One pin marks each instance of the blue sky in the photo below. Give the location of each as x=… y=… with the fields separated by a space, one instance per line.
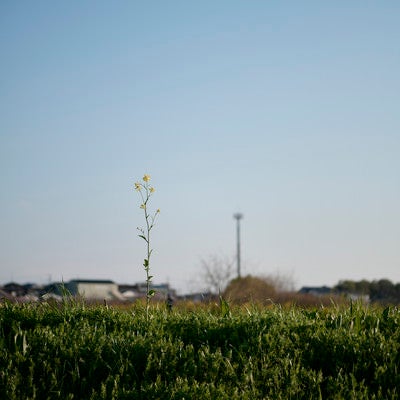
x=285 y=111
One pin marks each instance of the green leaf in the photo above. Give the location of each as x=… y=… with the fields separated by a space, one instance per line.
x=225 y=309
x=143 y=237
x=149 y=278
x=146 y=262
x=152 y=293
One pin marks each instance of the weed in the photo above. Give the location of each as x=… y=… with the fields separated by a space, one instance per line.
x=146 y=190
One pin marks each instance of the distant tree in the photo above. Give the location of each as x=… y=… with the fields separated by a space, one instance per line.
x=383 y=291
x=362 y=287
x=216 y=272
x=397 y=292
x=355 y=287
x=345 y=287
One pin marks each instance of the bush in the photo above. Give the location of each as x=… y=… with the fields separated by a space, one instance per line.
x=249 y=289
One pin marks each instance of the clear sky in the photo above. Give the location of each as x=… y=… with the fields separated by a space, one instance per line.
x=286 y=111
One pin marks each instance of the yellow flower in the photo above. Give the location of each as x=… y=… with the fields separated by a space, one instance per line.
x=158 y=210
x=152 y=190
x=137 y=186
x=146 y=177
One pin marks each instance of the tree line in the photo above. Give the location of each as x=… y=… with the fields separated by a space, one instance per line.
x=380 y=291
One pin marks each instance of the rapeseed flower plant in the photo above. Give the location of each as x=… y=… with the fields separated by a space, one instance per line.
x=146 y=191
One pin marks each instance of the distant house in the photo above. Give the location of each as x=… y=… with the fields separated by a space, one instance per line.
x=15 y=289
x=94 y=289
x=20 y=293
x=52 y=291
x=33 y=290
x=316 y=290
x=6 y=296
x=163 y=289
x=139 y=290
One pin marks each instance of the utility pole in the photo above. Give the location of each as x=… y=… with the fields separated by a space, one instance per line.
x=238 y=217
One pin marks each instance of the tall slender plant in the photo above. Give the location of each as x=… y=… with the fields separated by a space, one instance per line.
x=146 y=191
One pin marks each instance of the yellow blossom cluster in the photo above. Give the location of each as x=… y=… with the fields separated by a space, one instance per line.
x=139 y=185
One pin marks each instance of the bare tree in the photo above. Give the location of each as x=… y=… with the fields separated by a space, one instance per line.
x=281 y=281
x=216 y=272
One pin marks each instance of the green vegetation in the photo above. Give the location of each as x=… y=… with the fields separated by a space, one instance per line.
x=72 y=351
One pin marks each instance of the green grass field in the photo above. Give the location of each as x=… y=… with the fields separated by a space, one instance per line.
x=80 y=352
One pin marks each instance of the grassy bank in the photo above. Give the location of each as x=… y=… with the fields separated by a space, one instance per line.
x=78 y=352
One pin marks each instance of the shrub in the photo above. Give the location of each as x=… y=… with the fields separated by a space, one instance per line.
x=249 y=289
